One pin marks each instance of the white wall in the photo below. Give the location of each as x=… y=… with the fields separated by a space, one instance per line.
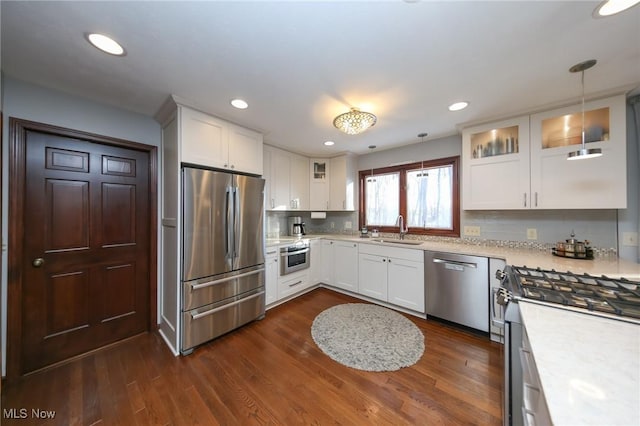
x=603 y=228
x=35 y=103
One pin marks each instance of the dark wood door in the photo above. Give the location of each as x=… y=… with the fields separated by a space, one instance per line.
x=85 y=247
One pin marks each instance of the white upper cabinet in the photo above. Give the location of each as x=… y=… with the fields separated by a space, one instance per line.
x=333 y=183
x=593 y=183
x=495 y=171
x=522 y=163
x=245 y=150
x=286 y=176
x=319 y=189
x=212 y=142
x=342 y=183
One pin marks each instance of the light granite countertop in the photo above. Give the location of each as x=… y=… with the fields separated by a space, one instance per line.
x=613 y=268
x=589 y=366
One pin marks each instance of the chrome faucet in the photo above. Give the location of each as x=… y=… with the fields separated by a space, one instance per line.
x=403 y=230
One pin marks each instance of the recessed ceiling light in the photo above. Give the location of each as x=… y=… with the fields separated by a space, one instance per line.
x=611 y=7
x=106 y=44
x=239 y=103
x=458 y=106
x=329 y=143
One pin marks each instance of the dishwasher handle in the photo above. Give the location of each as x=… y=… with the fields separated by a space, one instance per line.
x=455 y=263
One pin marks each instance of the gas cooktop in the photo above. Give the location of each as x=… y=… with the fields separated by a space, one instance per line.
x=598 y=295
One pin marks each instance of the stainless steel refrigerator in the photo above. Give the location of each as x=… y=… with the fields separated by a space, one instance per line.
x=222 y=254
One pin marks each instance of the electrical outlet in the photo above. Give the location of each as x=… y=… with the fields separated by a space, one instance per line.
x=332 y=225
x=472 y=231
x=348 y=225
x=532 y=234
x=630 y=239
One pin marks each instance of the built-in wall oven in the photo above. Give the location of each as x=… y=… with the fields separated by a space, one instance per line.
x=611 y=298
x=295 y=257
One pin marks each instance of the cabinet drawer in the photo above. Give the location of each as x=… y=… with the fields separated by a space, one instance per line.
x=292 y=285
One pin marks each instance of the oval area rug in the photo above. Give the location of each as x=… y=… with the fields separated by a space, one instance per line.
x=368 y=337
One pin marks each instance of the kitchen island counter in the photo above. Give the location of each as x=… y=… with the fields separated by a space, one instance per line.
x=589 y=367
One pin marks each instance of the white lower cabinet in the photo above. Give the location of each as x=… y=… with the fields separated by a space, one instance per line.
x=372 y=277
x=327 y=270
x=393 y=275
x=292 y=283
x=534 y=405
x=345 y=261
x=271 y=275
x=316 y=267
x=406 y=283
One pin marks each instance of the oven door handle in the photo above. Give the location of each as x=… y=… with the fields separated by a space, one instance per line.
x=494 y=319
x=292 y=253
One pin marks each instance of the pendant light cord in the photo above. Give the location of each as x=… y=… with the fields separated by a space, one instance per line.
x=583 y=136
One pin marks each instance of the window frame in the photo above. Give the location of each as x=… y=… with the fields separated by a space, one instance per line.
x=454 y=162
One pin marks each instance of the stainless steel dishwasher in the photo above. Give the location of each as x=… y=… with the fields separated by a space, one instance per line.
x=457 y=288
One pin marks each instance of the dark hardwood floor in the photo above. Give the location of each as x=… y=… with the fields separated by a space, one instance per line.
x=268 y=372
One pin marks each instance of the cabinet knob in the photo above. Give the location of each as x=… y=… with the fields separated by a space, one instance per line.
x=38 y=262
x=226 y=165
x=384 y=260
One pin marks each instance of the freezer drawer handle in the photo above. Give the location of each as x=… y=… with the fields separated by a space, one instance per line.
x=224 y=280
x=454 y=262
x=228 y=305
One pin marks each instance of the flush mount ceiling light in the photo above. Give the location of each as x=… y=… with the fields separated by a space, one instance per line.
x=354 y=121
x=105 y=43
x=583 y=153
x=611 y=7
x=459 y=105
x=239 y=103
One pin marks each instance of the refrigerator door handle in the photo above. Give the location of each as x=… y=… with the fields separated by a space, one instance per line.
x=236 y=221
x=228 y=228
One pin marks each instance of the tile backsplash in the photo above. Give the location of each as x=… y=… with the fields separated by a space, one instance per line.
x=496 y=227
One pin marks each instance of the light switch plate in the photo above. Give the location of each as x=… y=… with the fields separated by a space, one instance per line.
x=472 y=231
x=348 y=225
x=630 y=239
x=532 y=234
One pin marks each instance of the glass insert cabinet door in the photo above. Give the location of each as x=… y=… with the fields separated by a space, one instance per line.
x=499 y=141
x=565 y=130
x=319 y=170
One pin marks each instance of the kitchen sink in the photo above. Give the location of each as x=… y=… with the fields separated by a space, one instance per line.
x=405 y=242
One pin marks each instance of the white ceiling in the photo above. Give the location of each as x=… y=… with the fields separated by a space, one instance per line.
x=299 y=64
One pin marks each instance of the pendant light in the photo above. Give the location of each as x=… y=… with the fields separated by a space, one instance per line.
x=583 y=153
x=371 y=179
x=422 y=172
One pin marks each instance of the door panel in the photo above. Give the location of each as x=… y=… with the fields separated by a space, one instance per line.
x=66 y=293
x=86 y=216
x=66 y=201
x=118 y=214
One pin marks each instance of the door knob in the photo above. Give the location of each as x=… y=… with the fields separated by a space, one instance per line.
x=38 y=262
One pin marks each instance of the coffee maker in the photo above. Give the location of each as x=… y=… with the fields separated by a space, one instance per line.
x=295 y=226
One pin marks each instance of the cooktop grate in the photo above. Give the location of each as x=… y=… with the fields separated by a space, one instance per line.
x=602 y=294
